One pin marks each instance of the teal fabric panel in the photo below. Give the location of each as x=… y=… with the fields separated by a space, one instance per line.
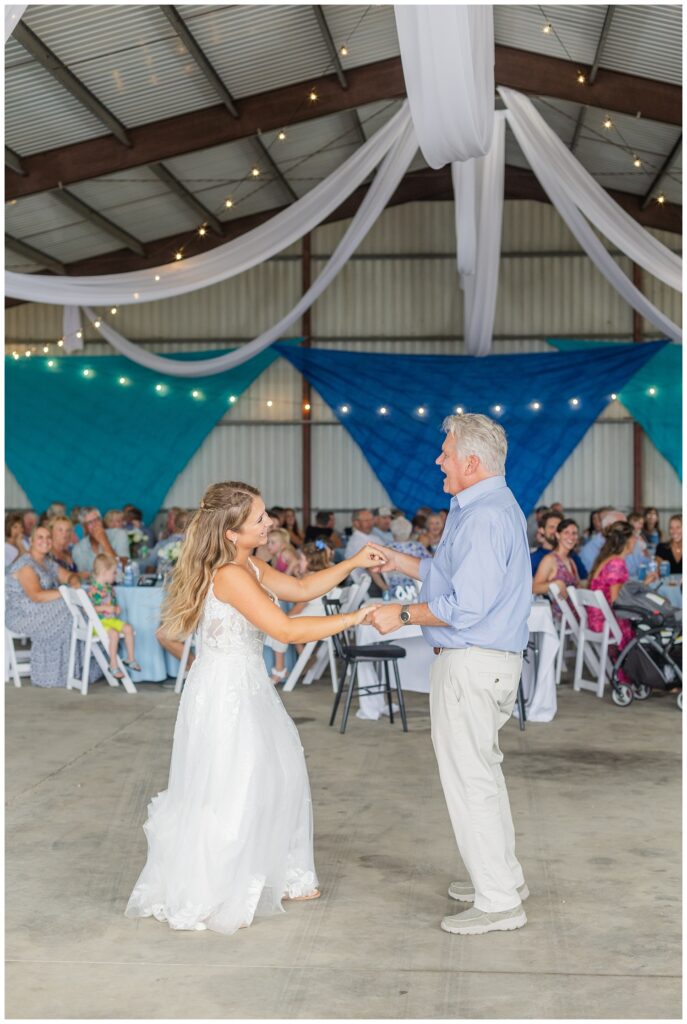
x=89 y=440
x=659 y=413
x=402 y=445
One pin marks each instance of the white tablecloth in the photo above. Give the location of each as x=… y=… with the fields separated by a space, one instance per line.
x=414 y=669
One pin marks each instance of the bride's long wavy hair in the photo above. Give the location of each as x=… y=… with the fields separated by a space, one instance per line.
x=223 y=507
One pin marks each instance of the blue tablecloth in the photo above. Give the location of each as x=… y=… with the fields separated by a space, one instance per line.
x=141 y=607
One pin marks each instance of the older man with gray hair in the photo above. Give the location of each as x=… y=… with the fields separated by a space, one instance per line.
x=475 y=603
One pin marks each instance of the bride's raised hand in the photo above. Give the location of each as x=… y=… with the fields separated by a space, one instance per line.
x=369 y=557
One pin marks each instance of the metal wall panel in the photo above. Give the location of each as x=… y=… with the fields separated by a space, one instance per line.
x=342 y=478
x=662 y=486
x=267 y=457
x=598 y=472
x=14 y=495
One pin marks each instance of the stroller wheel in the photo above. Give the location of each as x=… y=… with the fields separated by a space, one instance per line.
x=679 y=701
x=641 y=691
x=622 y=695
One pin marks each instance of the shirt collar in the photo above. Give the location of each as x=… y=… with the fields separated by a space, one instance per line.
x=477 y=491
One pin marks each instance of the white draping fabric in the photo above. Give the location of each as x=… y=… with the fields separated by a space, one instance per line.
x=447 y=52
x=384 y=185
x=480 y=287
x=13 y=15
x=586 y=193
x=228 y=260
x=465 y=211
x=530 y=142
x=71 y=328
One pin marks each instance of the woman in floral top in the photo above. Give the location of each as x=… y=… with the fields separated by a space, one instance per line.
x=104 y=599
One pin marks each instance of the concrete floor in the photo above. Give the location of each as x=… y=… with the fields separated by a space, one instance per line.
x=596 y=802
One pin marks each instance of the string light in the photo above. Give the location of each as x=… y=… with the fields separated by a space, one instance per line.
x=232 y=399
x=383 y=411
x=178 y=256
x=607 y=122
x=546 y=28
x=136 y=295
x=652 y=391
x=344 y=51
x=270 y=403
x=46 y=348
x=96 y=323
x=421 y=411
x=613 y=397
x=574 y=402
x=27 y=353
x=281 y=135
x=158 y=388
x=307 y=406
x=581 y=77
x=195 y=394
x=228 y=203
x=202 y=231
x=312 y=96
x=87 y=372
x=459 y=410
x=79 y=334
x=123 y=380
x=536 y=406
x=660 y=199
x=498 y=408
x=255 y=172
x=60 y=343
x=157 y=277
x=344 y=408
x=113 y=311
x=637 y=162
x=51 y=362
x=15 y=355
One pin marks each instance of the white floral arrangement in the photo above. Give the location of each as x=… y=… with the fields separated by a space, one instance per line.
x=170 y=552
x=135 y=536
x=138 y=543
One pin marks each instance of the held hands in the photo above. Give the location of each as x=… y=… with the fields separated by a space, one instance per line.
x=369 y=557
x=362 y=615
x=385 y=617
x=388 y=554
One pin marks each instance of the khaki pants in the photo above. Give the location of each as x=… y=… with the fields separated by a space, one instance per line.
x=472 y=693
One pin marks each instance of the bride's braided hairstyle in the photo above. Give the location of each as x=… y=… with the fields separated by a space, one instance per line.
x=224 y=506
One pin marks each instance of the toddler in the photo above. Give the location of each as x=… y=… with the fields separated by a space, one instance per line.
x=101 y=593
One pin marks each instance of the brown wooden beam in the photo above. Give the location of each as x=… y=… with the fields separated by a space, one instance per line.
x=383 y=80
x=420 y=186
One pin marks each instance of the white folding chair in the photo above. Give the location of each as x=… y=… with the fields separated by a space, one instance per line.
x=592 y=647
x=87 y=627
x=568 y=627
x=325 y=651
x=189 y=642
x=17 y=662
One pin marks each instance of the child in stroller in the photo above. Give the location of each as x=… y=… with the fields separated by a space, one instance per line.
x=653 y=658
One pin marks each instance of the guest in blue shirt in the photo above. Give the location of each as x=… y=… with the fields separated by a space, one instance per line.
x=591 y=549
x=475 y=604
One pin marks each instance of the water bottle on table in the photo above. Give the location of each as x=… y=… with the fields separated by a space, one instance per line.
x=128 y=575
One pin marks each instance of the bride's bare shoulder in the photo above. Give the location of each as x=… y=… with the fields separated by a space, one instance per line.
x=233 y=577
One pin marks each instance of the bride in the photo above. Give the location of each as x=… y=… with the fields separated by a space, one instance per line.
x=231 y=836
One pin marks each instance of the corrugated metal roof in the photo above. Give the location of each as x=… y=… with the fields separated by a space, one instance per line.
x=574 y=35
x=647 y=41
x=367 y=31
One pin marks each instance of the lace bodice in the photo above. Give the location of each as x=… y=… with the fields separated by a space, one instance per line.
x=224 y=630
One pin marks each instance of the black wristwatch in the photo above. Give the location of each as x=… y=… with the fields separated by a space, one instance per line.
x=405 y=615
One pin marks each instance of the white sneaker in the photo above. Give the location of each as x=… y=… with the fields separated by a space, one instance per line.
x=478 y=922
x=466 y=893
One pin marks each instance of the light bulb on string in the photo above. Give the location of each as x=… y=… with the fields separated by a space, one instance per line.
x=60 y=343
x=159 y=388
x=312 y=96
x=195 y=394
x=255 y=172
x=536 y=406
x=232 y=399
x=459 y=410
x=637 y=162
x=281 y=135
x=87 y=372
x=178 y=255
x=123 y=380
x=383 y=411
x=51 y=362
x=136 y=295
x=660 y=199
x=228 y=203
x=27 y=353
x=344 y=408
x=421 y=411
x=15 y=355
x=607 y=122
x=96 y=323
x=498 y=409
x=269 y=403
x=546 y=28
x=307 y=407
x=202 y=231
x=46 y=349
x=79 y=334
x=113 y=311
x=581 y=78
x=574 y=402
x=157 y=277
x=651 y=391
x=613 y=397
x=343 y=50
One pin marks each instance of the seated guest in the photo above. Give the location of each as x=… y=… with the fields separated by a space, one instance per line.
x=114 y=519
x=557 y=566
x=434 y=527
x=14 y=536
x=324 y=529
x=34 y=608
x=636 y=521
x=652 y=530
x=363 y=522
x=104 y=599
x=608 y=574
x=556 y=506
x=178 y=523
x=419 y=525
x=165 y=531
x=282 y=554
x=55 y=508
x=291 y=525
x=382 y=523
x=534 y=522
x=401 y=529
x=549 y=541
x=671 y=550
x=62 y=536
x=30 y=524
x=133 y=520
x=97 y=541
x=591 y=549
x=76 y=522
x=276 y=514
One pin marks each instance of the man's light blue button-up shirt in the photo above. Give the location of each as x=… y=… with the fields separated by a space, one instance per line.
x=480 y=579
x=590 y=551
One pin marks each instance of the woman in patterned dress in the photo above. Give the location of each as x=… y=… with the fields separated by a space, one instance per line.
x=558 y=566
x=34 y=608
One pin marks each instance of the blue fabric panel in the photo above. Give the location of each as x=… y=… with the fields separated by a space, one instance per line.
x=89 y=440
x=658 y=414
x=401 y=447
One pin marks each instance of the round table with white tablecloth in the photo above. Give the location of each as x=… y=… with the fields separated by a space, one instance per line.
x=414 y=669
x=141 y=608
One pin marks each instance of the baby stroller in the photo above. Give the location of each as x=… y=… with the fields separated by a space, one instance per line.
x=653 y=658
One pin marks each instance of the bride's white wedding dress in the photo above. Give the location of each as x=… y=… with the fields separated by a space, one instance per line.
x=232 y=833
